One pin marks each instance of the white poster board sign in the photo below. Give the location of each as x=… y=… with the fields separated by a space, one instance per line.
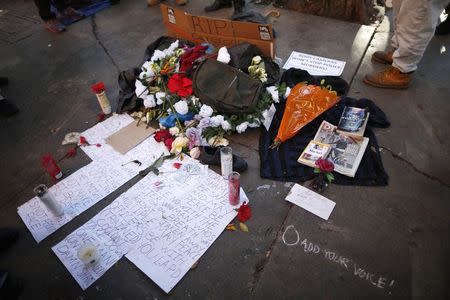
x=315 y=65
x=85 y=187
x=162 y=224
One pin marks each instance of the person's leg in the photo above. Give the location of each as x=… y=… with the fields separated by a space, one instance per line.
x=49 y=18
x=416 y=23
x=218 y=4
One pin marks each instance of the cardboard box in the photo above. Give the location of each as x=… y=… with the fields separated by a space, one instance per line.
x=218 y=32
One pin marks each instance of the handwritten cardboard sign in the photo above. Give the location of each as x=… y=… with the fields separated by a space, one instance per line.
x=218 y=32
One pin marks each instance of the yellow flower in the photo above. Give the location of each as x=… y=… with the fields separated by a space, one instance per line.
x=178 y=144
x=216 y=141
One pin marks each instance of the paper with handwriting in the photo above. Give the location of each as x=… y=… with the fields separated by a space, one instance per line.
x=311 y=201
x=161 y=225
x=85 y=187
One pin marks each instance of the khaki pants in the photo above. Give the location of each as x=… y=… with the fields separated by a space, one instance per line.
x=415 y=22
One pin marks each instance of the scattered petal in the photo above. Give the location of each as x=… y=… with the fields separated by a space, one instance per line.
x=177 y=165
x=100 y=117
x=231 y=227
x=243 y=227
x=98 y=145
x=83 y=141
x=71 y=152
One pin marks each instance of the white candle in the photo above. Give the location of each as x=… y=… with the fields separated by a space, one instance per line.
x=88 y=254
x=226 y=161
x=49 y=201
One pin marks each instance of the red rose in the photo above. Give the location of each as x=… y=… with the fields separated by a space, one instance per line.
x=83 y=141
x=179 y=84
x=188 y=59
x=168 y=142
x=177 y=165
x=162 y=135
x=325 y=165
x=244 y=212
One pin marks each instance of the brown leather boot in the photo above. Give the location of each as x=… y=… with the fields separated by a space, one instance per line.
x=390 y=78
x=181 y=2
x=383 y=57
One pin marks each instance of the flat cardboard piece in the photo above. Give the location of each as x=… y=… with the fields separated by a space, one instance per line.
x=218 y=32
x=311 y=201
x=129 y=137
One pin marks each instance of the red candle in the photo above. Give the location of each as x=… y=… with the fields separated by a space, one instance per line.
x=234 y=186
x=50 y=166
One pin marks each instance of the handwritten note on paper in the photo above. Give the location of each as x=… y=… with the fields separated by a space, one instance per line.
x=163 y=225
x=311 y=201
x=315 y=65
x=75 y=193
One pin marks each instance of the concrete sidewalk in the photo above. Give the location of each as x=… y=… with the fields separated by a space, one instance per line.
x=395 y=238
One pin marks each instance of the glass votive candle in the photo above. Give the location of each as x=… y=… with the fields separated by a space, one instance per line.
x=226 y=161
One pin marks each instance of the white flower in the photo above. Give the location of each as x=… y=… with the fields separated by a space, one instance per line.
x=149 y=101
x=217 y=141
x=254 y=124
x=206 y=111
x=226 y=125
x=216 y=121
x=223 y=55
x=174 y=131
x=181 y=107
x=242 y=127
x=141 y=90
x=147 y=71
x=274 y=93
x=288 y=91
x=256 y=60
x=195 y=152
x=160 y=97
x=157 y=55
x=171 y=49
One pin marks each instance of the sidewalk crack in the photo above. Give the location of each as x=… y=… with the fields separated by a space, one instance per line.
x=97 y=38
x=417 y=170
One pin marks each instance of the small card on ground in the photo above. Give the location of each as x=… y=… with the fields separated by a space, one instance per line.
x=128 y=137
x=311 y=201
x=315 y=65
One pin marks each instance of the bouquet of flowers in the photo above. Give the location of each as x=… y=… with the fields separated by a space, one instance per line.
x=167 y=94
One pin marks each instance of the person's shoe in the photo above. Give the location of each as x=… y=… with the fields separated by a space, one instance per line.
x=383 y=57
x=444 y=27
x=390 y=78
x=55 y=26
x=70 y=14
x=181 y=2
x=7 y=236
x=211 y=156
x=218 y=5
x=152 y=2
x=4 y=80
x=7 y=109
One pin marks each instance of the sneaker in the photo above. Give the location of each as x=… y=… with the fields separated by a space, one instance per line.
x=7 y=109
x=218 y=4
x=211 y=156
x=390 y=78
x=383 y=57
x=70 y=14
x=53 y=25
x=7 y=237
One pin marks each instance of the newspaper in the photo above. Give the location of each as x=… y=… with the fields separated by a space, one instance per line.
x=346 y=152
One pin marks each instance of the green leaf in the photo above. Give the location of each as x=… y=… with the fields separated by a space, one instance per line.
x=329 y=176
x=316 y=170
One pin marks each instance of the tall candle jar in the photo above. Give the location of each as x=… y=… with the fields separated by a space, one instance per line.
x=234 y=188
x=226 y=161
x=104 y=102
x=48 y=199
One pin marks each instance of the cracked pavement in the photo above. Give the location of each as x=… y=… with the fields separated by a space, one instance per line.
x=379 y=241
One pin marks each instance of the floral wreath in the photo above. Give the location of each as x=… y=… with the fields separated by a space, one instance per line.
x=185 y=123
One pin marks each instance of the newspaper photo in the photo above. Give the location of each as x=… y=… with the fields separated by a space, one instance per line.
x=346 y=151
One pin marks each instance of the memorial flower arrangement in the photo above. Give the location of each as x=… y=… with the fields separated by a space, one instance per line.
x=324 y=175
x=166 y=90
